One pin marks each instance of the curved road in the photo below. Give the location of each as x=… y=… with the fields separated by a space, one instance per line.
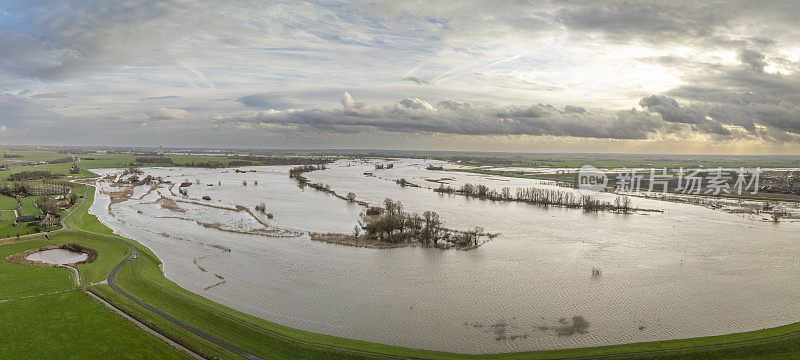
x=134 y=253
x=113 y=285
x=233 y=348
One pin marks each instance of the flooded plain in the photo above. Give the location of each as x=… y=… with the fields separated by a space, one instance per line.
x=689 y=271
x=57 y=256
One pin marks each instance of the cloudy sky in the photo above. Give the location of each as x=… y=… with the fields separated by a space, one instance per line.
x=593 y=76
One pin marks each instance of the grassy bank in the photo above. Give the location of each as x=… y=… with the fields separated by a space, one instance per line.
x=62 y=325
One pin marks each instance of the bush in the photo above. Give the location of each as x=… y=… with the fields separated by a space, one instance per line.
x=374 y=210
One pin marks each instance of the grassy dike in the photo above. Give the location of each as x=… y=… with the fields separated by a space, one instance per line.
x=143 y=279
x=46 y=317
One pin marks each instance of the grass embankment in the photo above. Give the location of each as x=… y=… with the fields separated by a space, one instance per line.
x=143 y=279
x=82 y=220
x=66 y=325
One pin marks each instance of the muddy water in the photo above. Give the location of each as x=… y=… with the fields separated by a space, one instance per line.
x=57 y=256
x=689 y=271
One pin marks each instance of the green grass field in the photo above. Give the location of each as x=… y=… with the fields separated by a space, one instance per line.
x=28 y=208
x=7 y=203
x=6 y=216
x=21 y=280
x=109 y=254
x=71 y=325
x=67 y=325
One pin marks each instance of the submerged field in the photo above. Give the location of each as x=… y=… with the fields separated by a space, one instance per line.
x=508 y=295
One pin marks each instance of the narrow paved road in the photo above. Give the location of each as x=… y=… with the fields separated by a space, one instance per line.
x=113 y=284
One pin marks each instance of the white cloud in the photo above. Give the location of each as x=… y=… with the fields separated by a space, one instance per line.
x=165 y=114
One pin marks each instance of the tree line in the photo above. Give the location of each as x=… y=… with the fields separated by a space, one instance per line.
x=543 y=197
x=33 y=175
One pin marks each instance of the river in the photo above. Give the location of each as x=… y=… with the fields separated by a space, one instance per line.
x=689 y=271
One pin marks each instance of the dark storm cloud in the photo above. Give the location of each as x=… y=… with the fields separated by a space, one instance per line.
x=455 y=117
x=671 y=111
x=754 y=59
x=651 y=20
x=744 y=95
x=686 y=22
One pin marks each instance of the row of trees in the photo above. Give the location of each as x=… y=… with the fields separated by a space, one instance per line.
x=62 y=160
x=403 y=183
x=281 y=160
x=32 y=175
x=147 y=180
x=154 y=160
x=16 y=189
x=297 y=171
x=544 y=197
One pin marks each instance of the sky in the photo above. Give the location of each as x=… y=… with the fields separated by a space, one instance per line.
x=700 y=77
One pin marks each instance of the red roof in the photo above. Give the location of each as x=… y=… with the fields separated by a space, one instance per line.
x=63 y=202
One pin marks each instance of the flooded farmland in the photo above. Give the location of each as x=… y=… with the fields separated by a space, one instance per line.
x=615 y=278
x=57 y=256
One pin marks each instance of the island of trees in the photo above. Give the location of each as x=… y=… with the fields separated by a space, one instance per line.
x=391 y=224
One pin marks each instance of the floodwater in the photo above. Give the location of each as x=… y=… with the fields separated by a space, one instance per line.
x=57 y=256
x=689 y=271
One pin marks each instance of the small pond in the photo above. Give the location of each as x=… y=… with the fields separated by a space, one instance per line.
x=58 y=256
